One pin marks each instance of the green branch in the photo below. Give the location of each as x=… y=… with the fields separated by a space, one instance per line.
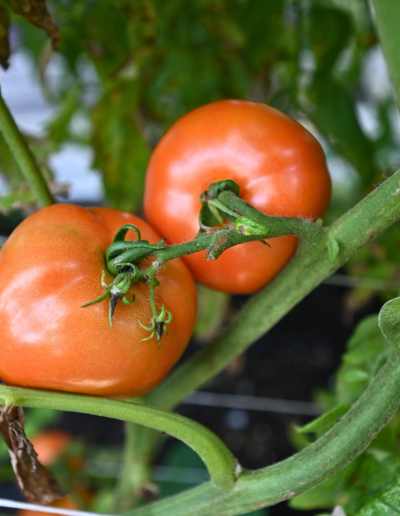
x=277 y=226
x=316 y=463
x=24 y=157
x=387 y=16
x=220 y=463
x=311 y=265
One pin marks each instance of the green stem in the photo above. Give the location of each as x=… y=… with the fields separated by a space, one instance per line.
x=219 y=461
x=278 y=226
x=152 y=299
x=387 y=16
x=135 y=480
x=311 y=265
x=316 y=463
x=24 y=157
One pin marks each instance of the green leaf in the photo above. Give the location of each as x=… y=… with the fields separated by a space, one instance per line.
x=106 y=37
x=355 y=375
x=58 y=127
x=330 y=30
x=385 y=504
x=35 y=11
x=121 y=152
x=4 y=43
x=331 y=108
x=16 y=199
x=367 y=350
x=325 y=422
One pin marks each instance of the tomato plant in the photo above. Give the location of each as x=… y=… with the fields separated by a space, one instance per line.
x=50 y=266
x=279 y=166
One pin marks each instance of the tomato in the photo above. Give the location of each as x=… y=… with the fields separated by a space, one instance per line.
x=49 y=267
x=279 y=166
x=62 y=503
x=50 y=445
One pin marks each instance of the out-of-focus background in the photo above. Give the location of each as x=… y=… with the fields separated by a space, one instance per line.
x=92 y=113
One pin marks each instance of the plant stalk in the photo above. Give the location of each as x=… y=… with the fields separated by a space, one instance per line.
x=24 y=157
x=303 y=471
x=219 y=461
x=310 y=266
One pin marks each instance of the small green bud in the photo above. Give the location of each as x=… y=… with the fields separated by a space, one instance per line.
x=246 y=226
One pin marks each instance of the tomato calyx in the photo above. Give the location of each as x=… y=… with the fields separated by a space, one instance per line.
x=123 y=259
x=115 y=290
x=214 y=213
x=123 y=253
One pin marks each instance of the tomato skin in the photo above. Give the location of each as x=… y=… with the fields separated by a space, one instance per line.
x=49 y=267
x=279 y=166
x=50 y=445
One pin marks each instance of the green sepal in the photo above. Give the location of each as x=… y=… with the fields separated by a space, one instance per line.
x=214 y=212
x=226 y=185
x=123 y=230
x=130 y=253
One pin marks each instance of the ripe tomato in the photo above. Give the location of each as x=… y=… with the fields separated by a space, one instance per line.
x=279 y=166
x=50 y=445
x=49 y=267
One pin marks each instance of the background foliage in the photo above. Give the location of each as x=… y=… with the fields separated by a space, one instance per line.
x=129 y=68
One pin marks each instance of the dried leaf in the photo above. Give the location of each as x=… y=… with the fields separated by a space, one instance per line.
x=37 y=484
x=4 y=42
x=35 y=11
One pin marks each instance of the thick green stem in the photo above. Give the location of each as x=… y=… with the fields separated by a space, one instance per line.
x=219 y=461
x=24 y=157
x=274 y=484
x=387 y=15
x=311 y=265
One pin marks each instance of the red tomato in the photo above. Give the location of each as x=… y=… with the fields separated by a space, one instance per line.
x=49 y=267
x=50 y=445
x=62 y=503
x=279 y=166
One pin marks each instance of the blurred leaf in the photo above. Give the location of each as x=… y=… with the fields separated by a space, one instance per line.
x=121 y=151
x=385 y=504
x=58 y=126
x=331 y=108
x=367 y=347
x=141 y=30
x=325 y=422
x=106 y=37
x=4 y=43
x=35 y=11
x=16 y=200
x=264 y=29
x=355 y=375
x=330 y=30
x=379 y=260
